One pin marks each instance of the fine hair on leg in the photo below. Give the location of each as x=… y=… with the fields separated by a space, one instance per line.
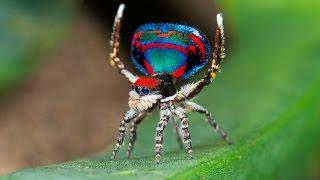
x=176 y=126
x=181 y=114
x=218 y=54
x=176 y=129
x=133 y=133
x=130 y=115
x=197 y=108
x=114 y=54
x=164 y=118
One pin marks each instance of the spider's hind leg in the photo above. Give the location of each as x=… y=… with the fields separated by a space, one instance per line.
x=197 y=108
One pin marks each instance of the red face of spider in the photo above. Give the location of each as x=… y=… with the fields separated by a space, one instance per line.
x=160 y=83
x=147 y=91
x=145 y=85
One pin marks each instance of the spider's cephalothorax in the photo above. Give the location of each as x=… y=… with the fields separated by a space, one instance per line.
x=166 y=53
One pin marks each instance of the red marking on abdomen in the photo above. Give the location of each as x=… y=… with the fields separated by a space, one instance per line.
x=179 y=72
x=148 y=67
x=136 y=36
x=198 y=41
x=165 y=46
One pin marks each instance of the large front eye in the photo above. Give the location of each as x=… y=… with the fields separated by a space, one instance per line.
x=137 y=89
x=145 y=91
x=142 y=91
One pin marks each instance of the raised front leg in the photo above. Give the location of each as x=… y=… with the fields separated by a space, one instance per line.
x=164 y=118
x=181 y=114
x=115 y=47
x=130 y=115
x=197 y=108
x=191 y=90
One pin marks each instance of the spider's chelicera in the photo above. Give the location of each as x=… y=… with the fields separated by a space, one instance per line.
x=166 y=53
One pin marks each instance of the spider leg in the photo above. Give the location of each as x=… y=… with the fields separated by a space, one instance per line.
x=133 y=133
x=181 y=114
x=197 y=108
x=177 y=131
x=130 y=115
x=190 y=90
x=164 y=118
x=176 y=126
x=115 y=47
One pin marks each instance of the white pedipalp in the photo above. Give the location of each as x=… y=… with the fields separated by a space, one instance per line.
x=142 y=102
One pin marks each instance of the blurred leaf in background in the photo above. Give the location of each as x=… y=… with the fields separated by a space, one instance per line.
x=29 y=30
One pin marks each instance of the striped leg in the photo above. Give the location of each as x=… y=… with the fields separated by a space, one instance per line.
x=218 y=54
x=130 y=115
x=133 y=133
x=115 y=47
x=181 y=114
x=164 y=118
x=176 y=126
x=197 y=108
x=177 y=131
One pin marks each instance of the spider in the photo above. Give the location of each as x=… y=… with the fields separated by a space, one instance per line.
x=165 y=53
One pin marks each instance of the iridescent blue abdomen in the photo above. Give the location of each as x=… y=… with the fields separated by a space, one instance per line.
x=174 y=49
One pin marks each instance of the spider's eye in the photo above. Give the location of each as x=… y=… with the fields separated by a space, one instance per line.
x=137 y=89
x=145 y=91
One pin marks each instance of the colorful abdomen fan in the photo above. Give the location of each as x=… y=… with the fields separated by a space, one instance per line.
x=173 y=49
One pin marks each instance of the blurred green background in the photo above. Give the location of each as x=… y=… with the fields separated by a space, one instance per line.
x=28 y=31
x=58 y=101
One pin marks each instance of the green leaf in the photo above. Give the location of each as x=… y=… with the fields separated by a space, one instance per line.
x=29 y=30
x=267 y=98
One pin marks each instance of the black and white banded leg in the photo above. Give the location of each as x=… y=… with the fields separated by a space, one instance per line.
x=114 y=54
x=133 y=133
x=181 y=114
x=197 y=108
x=176 y=129
x=130 y=115
x=164 y=118
x=218 y=54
